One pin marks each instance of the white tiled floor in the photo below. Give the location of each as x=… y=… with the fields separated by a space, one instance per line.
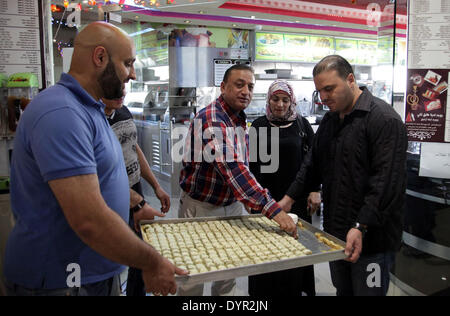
x=324 y=285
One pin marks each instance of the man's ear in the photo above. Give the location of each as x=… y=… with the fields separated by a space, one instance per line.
x=100 y=56
x=351 y=79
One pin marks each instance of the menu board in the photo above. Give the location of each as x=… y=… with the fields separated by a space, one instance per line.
x=385 y=49
x=221 y=66
x=347 y=48
x=292 y=47
x=321 y=47
x=20 y=38
x=309 y=48
x=427 y=113
x=429 y=34
x=367 y=53
x=269 y=46
x=297 y=48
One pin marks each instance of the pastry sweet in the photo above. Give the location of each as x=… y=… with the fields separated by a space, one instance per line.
x=328 y=242
x=222 y=244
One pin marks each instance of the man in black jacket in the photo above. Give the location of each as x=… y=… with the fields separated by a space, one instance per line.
x=359 y=157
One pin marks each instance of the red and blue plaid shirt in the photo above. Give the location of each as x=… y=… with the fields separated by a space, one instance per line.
x=215 y=163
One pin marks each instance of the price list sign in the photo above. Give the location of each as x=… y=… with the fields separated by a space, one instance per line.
x=427 y=115
x=20 y=38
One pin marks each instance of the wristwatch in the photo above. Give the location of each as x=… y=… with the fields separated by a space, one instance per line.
x=138 y=206
x=362 y=228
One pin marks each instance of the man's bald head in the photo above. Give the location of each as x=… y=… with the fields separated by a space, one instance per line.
x=103 y=58
x=97 y=34
x=100 y=34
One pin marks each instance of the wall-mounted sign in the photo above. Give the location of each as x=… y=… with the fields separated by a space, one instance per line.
x=269 y=46
x=222 y=65
x=20 y=38
x=309 y=48
x=297 y=47
x=427 y=114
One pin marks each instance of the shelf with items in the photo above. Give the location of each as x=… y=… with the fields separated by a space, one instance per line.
x=150 y=76
x=182 y=96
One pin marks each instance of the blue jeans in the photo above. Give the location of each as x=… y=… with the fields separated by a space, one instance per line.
x=109 y=287
x=369 y=276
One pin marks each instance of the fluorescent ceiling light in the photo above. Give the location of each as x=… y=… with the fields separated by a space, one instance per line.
x=141 y=32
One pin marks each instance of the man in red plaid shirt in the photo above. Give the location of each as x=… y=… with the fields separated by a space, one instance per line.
x=215 y=178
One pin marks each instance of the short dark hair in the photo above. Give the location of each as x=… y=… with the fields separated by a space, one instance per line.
x=237 y=67
x=334 y=62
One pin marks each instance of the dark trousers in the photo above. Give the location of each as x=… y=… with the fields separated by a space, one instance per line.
x=283 y=283
x=369 y=276
x=292 y=282
x=135 y=283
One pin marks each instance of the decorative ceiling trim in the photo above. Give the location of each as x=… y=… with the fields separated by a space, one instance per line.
x=206 y=17
x=372 y=15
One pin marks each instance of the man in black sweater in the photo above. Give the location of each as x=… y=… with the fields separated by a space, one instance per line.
x=359 y=157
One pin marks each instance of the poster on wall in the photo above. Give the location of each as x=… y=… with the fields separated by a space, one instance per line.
x=209 y=37
x=426 y=103
x=221 y=66
x=427 y=116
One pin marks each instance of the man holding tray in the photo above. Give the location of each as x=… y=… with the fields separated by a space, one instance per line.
x=215 y=178
x=359 y=157
x=69 y=186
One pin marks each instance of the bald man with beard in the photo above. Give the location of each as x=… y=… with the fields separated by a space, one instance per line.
x=69 y=187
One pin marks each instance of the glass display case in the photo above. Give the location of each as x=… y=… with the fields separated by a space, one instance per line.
x=423 y=262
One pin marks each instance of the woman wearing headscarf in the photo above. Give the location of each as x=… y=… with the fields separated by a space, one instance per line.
x=295 y=138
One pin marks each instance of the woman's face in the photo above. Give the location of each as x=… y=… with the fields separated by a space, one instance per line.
x=279 y=104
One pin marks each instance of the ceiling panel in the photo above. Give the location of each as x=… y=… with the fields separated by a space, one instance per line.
x=252 y=14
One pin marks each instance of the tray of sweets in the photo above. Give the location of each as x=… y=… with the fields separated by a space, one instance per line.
x=220 y=248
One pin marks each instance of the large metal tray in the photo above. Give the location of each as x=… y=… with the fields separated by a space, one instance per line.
x=320 y=252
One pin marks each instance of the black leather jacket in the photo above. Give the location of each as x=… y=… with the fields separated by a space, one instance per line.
x=361 y=164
